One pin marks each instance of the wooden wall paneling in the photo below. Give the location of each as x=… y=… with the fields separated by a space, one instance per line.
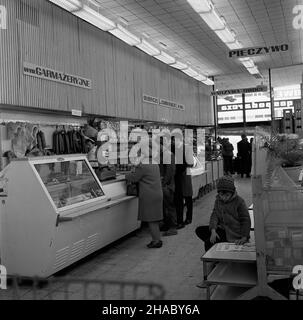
x=155 y=85
x=110 y=80
x=129 y=84
x=163 y=92
x=124 y=79
x=87 y=56
x=139 y=67
x=100 y=57
x=197 y=104
x=150 y=87
x=9 y=57
x=120 y=74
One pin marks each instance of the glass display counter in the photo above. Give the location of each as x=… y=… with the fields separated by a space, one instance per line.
x=57 y=211
x=197 y=173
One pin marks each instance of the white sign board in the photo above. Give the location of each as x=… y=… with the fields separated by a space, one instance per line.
x=45 y=73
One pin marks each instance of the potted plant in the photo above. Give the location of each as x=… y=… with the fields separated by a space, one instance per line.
x=285 y=150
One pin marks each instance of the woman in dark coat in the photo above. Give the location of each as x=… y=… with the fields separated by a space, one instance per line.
x=150 y=196
x=183 y=182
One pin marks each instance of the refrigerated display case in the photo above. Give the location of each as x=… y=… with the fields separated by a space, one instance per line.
x=57 y=211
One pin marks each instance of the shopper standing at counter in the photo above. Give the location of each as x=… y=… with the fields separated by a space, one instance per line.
x=91 y=149
x=167 y=172
x=183 y=182
x=147 y=175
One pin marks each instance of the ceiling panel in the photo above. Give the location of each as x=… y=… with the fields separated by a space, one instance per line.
x=176 y=24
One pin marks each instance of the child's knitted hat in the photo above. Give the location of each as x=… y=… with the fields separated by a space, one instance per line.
x=226 y=183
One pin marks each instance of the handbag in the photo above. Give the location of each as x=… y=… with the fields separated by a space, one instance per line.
x=132 y=189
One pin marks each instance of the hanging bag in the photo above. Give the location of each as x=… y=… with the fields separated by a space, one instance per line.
x=132 y=189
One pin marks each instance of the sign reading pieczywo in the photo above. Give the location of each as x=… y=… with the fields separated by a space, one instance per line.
x=257 y=51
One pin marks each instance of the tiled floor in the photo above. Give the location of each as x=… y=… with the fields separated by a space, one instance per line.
x=176 y=266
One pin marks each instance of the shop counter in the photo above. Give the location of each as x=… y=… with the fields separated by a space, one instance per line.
x=198 y=175
x=57 y=211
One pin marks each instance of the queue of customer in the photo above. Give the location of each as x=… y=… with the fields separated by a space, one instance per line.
x=163 y=188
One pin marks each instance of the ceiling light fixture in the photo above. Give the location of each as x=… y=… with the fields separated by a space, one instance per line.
x=148 y=48
x=84 y=12
x=247 y=62
x=179 y=65
x=212 y=19
x=234 y=45
x=68 y=4
x=200 y=77
x=253 y=70
x=208 y=82
x=190 y=72
x=200 y=5
x=126 y=36
x=166 y=58
x=226 y=35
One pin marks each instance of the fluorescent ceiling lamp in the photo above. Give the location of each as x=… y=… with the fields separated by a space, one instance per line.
x=253 y=70
x=208 y=82
x=68 y=4
x=200 y=77
x=148 y=48
x=213 y=20
x=124 y=35
x=166 y=58
x=93 y=17
x=234 y=45
x=247 y=62
x=179 y=65
x=191 y=72
x=226 y=35
x=200 y=5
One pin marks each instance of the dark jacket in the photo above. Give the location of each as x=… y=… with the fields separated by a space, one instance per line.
x=227 y=149
x=183 y=182
x=167 y=171
x=232 y=216
x=150 y=191
x=244 y=149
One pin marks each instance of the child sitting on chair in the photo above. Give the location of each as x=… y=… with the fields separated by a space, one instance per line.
x=230 y=221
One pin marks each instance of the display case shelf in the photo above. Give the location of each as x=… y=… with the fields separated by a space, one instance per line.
x=233 y=274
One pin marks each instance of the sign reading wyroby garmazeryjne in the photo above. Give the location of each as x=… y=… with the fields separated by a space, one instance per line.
x=45 y=73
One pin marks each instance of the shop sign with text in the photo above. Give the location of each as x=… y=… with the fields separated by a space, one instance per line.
x=45 y=73
x=257 y=51
x=150 y=99
x=237 y=91
x=163 y=102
